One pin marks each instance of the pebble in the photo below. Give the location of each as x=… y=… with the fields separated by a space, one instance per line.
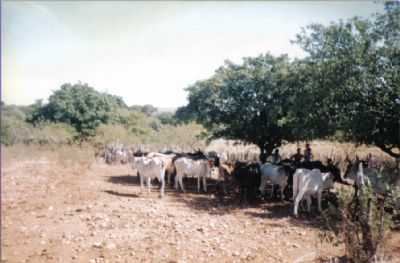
x=97 y=245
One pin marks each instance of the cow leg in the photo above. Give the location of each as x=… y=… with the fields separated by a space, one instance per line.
x=181 y=183
x=243 y=195
x=162 y=178
x=297 y=202
x=176 y=181
x=198 y=184
x=148 y=184
x=224 y=186
x=141 y=182
x=283 y=187
x=262 y=185
x=205 y=184
x=319 y=201
x=308 y=203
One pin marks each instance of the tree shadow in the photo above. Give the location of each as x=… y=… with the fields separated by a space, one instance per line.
x=282 y=210
x=190 y=184
x=215 y=203
x=273 y=210
x=205 y=203
x=111 y=192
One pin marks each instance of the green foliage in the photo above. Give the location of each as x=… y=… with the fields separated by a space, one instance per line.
x=347 y=86
x=167 y=118
x=249 y=102
x=108 y=133
x=79 y=106
x=354 y=69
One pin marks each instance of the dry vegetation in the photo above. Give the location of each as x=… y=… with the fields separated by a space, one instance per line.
x=321 y=151
x=60 y=205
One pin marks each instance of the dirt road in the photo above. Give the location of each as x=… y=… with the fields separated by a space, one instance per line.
x=52 y=213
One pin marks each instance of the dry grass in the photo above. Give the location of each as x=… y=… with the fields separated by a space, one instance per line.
x=321 y=150
x=70 y=155
x=63 y=155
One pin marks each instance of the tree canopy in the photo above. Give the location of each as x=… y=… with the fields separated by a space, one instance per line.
x=79 y=105
x=349 y=82
x=248 y=102
x=356 y=64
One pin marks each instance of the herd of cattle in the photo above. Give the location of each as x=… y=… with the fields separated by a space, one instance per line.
x=295 y=180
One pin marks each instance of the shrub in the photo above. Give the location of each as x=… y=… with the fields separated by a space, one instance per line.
x=360 y=222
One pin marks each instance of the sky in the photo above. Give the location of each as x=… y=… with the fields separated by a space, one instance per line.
x=146 y=52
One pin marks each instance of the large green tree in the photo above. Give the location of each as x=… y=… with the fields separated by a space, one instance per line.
x=354 y=70
x=248 y=102
x=79 y=105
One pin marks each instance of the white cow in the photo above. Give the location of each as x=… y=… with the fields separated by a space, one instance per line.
x=192 y=168
x=150 y=168
x=168 y=162
x=121 y=156
x=275 y=175
x=307 y=183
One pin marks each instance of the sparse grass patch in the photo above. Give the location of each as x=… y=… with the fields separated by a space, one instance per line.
x=64 y=155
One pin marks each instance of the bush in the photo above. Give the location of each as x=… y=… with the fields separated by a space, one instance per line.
x=186 y=137
x=54 y=133
x=15 y=131
x=107 y=133
x=360 y=222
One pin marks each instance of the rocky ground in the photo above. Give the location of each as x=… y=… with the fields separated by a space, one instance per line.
x=55 y=213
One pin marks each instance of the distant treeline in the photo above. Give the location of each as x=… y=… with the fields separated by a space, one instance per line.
x=77 y=113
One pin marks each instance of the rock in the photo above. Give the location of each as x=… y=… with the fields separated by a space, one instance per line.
x=295 y=245
x=236 y=254
x=97 y=245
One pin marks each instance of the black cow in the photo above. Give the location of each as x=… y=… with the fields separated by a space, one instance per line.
x=248 y=178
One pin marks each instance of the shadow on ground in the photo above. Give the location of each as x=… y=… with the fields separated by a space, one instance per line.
x=120 y=194
x=124 y=179
x=216 y=203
